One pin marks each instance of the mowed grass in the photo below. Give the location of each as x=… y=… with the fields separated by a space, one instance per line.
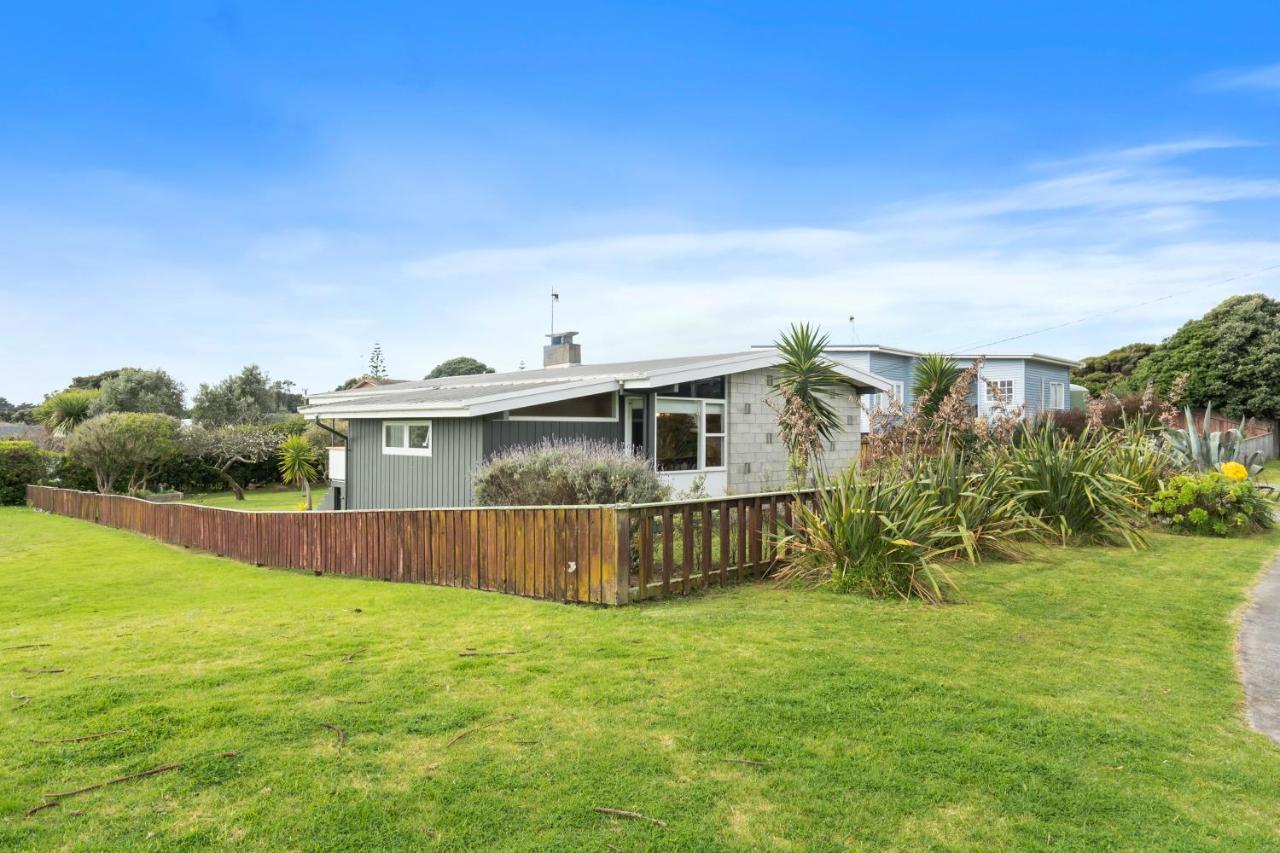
x=271 y=498
x=1086 y=701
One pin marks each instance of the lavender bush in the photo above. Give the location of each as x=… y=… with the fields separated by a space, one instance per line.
x=562 y=472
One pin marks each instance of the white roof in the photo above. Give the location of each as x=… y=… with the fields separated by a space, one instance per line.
x=489 y=393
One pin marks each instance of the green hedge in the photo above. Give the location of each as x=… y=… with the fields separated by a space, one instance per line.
x=20 y=463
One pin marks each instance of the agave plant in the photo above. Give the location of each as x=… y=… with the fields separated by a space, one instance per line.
x=1201 y=450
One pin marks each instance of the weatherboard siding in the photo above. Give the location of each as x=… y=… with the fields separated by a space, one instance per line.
x=1039 y=378
x=387 y=481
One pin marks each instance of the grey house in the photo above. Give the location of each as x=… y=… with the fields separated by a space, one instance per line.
x=1032 y=382
x=417 y=444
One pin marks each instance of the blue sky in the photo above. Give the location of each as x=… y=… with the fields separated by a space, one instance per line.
x=196 y=186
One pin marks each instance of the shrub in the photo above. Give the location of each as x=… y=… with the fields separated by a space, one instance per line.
x=875 y=538
x=1211 y=504
x=20 y=464
x=125 y=448
x=1076 y=485
x=555 y=473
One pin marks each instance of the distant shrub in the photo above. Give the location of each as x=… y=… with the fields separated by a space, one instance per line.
x=1211 y=504
x=20 y=464
x=556 y=473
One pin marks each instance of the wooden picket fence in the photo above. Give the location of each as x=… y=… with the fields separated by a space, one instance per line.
x=589 y=554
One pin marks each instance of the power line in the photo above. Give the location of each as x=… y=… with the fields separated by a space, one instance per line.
x=1098 y=314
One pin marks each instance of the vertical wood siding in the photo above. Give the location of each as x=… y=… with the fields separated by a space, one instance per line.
x=500 y=435
x=376 y=480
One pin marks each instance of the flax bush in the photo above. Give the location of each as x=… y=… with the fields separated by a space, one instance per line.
x=878 y=538
x=1079 y=486
x=566 y=473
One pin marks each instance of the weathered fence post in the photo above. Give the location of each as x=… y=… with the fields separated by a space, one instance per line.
x=617 y=582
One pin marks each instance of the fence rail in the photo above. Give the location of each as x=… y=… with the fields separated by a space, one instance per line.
x=597 y=554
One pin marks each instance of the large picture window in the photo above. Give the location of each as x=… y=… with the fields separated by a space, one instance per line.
x=407 y=438
x=691 y=434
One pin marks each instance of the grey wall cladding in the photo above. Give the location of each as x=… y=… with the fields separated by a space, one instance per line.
x=383 y=481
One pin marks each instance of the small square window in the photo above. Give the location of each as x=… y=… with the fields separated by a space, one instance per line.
x=407 y=438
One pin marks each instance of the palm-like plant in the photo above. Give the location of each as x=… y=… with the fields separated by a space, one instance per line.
x=935 y=376
x=807 y=380
x=66 y=410
x=298 y=464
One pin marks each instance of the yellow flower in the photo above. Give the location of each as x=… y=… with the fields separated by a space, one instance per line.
x=1235 y=471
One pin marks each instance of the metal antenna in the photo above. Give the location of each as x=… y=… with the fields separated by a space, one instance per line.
x=555 y=297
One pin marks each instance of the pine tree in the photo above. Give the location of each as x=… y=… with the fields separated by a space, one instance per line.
x=377 y=368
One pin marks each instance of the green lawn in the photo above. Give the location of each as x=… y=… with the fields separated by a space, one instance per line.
x=259 y=500
x=1086 y=701
x=1271 y=472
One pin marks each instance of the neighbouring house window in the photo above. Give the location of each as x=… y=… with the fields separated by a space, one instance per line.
x=880 y=401
x=409 y=438
x=691 y=434
x=1000 y=391
x=1057 y=395
x=595 y=407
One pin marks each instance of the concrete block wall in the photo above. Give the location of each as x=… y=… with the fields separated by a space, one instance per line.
x=757 y=456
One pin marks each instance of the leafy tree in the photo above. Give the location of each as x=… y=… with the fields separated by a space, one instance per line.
x=807 y=379
x=21 y=463
x=64 y=411
x=298 y=464
x=1231 y=357
x=222 y=447
x=93 y=381
x=935 y=376
x=463 y=365
x=134 y=390
x=377 y=367
x=18 y=413
x=247 y=397
x=125 y=446
x=1110 y=371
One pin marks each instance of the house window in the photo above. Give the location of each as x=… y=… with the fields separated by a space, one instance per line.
x=711 y=389
x=690 y=434
x=999 y=391
x=1057 y=395
x=880 y=401
x=595 y=407
x=407 y=438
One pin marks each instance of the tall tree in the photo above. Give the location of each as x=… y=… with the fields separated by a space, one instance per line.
x=807 y=380
x=1231 y=357
x=248 y=397
x=1111 y=370
x=377 y=367
x=134 y=390
x=463 y=365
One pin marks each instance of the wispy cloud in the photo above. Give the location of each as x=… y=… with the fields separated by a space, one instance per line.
x=1264 y=78
x=1092 y=234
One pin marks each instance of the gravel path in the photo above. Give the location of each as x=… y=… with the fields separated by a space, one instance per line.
x=1260 y=655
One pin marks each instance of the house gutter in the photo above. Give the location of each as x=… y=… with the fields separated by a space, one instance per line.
x=330 y=429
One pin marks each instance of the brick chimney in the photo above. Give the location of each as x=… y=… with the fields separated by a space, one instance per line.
x=562 y=351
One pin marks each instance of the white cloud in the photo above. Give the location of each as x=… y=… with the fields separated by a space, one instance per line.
x=1266 y=77
x=1094 y=234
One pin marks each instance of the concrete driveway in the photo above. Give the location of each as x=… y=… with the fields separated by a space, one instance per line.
x=1260 y=655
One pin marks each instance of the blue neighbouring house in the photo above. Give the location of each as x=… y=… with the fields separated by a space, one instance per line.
x=1034 y=382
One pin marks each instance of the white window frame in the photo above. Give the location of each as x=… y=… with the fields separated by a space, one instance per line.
x=880 y=400
x=578 y=420
x=1057 y=395
x=389 y=450
x=997 y=401
x=702 y=433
